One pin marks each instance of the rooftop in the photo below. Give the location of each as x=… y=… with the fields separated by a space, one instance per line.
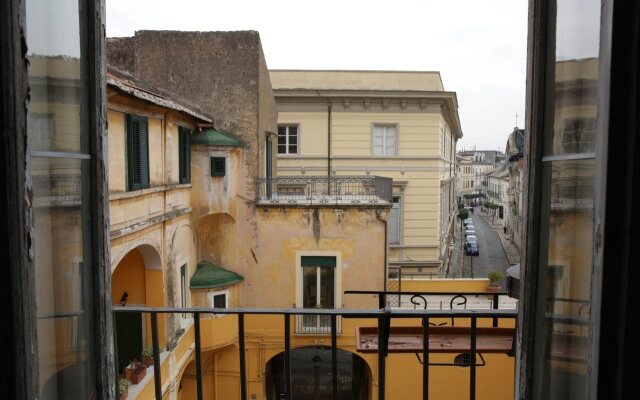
x=427 y=81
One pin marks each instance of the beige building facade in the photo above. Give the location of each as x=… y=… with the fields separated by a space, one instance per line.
x=400 y=125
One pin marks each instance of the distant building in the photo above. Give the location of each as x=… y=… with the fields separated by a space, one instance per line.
x=481 y=163
x=401 y=125
x=514 y=214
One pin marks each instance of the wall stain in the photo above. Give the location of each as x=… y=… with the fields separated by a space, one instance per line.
x=316 y=225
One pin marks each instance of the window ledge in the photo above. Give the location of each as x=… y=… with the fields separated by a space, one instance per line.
x=142 y=192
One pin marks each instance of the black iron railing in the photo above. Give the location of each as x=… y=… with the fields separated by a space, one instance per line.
x=320 y=190
x=384 y=316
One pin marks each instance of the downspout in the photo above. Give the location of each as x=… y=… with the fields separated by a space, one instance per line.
x=329 y=144
x=386 y=247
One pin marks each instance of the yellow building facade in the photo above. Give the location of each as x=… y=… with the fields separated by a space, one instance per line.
x=207 y=229
x=401 y=125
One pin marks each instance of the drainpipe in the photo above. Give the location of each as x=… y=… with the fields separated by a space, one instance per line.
x=386 y=247
x=329 y=145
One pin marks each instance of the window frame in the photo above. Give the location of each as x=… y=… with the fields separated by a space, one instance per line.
x=214 y=172
x=19 y=337
x=396 y=142
x=287 y=135
x=212 y=295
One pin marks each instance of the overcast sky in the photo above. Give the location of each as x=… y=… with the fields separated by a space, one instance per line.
x=479 y=47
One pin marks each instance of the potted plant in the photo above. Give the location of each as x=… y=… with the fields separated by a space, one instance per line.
x=135 y=371
x=147 y=356
x=123 y=388
x=494 y=281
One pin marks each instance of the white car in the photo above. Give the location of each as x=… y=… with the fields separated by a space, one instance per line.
x=468 y=232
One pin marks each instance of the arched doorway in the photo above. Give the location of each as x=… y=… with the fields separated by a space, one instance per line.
x=135 y=282
x=311 y=375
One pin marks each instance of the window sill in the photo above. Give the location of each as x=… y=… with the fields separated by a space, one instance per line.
x=142 y=192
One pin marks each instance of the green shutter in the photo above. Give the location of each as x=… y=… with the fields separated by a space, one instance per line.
x=187 y=156
x=144 y=154
x=137 y=152
x=184 y=155
x=318 y=261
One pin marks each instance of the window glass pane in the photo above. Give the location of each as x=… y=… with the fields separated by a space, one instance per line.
x=576 y=77
x=282 y=139
x=53 y=39
x=282 y=130
x=569 y=266
x=327 y=294
x=58 y=142
x=293 y=139
x=378 y=141
x=220 y=301
x=394 y=222
x=282 y=149
x=293 y=149
x=61 y=277
x=309 y=287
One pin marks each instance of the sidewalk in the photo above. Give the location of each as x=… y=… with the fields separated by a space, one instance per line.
x=513 y=255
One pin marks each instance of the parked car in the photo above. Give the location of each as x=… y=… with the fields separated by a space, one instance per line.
x=468 y=221
x=470 y=239
x=473 y=249
x=468 y=232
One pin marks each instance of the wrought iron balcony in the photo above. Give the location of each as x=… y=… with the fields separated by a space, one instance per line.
x=381 y=338
x=321 y=190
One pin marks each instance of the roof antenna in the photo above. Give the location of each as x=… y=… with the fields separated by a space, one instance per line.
x=516 y=119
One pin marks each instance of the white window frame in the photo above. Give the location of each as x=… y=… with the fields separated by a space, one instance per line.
x=212 y=295
x=287 y=153
x=384 y=139
x=337 y=282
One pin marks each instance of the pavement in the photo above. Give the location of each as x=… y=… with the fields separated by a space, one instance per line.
x=512 y=253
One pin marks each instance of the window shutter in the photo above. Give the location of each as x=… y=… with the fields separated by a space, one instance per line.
x=184 y=155
x=137 y=152
x=144 y=154
x=317 y=261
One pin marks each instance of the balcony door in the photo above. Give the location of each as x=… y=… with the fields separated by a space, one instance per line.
x=318 y=291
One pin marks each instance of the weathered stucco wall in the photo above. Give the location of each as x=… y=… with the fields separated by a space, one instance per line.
x=355 y=236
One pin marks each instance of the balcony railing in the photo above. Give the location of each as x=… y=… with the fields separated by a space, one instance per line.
x=383 y=316
x=321 y=190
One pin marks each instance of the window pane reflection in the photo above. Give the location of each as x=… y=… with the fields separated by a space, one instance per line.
x=569 y=264
x=57 y=139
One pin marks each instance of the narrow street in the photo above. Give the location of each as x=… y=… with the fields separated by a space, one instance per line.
x=492 y=256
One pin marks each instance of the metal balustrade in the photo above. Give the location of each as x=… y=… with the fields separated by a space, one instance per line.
x=384 y=316
x=321 y=190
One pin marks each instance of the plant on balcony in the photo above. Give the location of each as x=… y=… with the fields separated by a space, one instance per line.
x=494 y=281
x=147 y=356
x=123 y=388
x=135 y=371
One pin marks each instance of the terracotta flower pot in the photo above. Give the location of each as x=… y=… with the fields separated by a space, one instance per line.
x=137 y=373
x=494 y=288
x=148 y=361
